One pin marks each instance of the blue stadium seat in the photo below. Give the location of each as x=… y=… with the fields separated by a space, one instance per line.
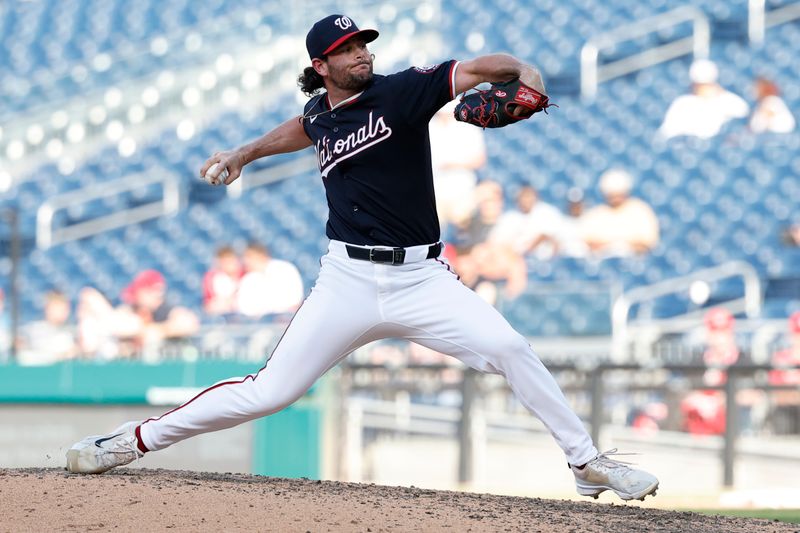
x=717 y=200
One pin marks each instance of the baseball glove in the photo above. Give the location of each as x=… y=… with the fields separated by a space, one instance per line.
x=501 y=105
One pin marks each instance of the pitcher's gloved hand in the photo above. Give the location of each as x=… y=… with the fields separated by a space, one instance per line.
x=501 y=105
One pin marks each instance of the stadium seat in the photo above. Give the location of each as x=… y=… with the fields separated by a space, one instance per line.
x=717 y=200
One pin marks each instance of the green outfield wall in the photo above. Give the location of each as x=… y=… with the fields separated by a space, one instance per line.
x=286 y=444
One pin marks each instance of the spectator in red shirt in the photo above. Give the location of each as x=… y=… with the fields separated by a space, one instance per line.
x=721 y=348
x=704 y=410
x=145 y=298
x=786 y=414
x=788 y=357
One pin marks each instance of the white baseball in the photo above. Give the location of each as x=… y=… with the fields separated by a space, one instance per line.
x=219 y=180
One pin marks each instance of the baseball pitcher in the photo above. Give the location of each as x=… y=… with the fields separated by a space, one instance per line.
x=382 y=275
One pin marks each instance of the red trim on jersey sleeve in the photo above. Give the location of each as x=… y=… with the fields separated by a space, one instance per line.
x=452 y=78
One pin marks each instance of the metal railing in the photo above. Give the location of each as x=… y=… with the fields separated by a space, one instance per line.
x=169 y=203
x=759 y=19
x=219 y=62
x=750 y=303
x=592 y=73
x=764 y=339
x=472 y=425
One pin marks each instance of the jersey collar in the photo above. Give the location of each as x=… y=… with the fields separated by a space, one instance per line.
x=346 y=101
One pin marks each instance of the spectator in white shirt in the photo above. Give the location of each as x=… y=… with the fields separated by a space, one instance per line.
x=770 y=115
x=703 y=112
x=570 y=240
x=269 y=286
x=624 y=225
x=458 y=150
x=52 y=339
x=532 y=228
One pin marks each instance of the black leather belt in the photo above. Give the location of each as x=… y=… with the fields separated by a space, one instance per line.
x=386 y=254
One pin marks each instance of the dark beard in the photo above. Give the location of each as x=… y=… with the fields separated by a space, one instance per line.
x=354 y=82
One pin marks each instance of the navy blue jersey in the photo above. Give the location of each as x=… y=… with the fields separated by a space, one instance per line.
x=374 y=154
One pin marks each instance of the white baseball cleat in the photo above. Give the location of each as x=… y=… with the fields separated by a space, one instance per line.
x=98 y=453
x=603 y=473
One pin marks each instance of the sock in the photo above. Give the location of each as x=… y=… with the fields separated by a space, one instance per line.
x=139 y=443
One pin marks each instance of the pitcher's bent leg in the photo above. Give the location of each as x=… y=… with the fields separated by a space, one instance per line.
x=450 y=318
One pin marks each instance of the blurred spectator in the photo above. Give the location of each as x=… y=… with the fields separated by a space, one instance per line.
x=648 y=418
x=159 y=322
x=269 y=286
x=444 y=384
x=771 y=113
x=570 y=241
x=100 y=325
x=532 y=228
x=221 y=283
x=457 y=151
x=625 y=225
x=786 y=415
x=722 y=349
x=476 y=228
x=5 y=331
x=481 y=262
x=788 y=357
x=387 y=354
x=791 y=235
x=50 y=340
x=704 y=410
x=703 y=112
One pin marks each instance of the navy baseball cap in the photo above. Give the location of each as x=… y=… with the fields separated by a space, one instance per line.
x=332 y=31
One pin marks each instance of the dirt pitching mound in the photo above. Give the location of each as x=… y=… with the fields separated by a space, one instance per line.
x=162 y=500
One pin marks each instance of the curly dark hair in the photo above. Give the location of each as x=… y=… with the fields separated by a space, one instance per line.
x=310 y=82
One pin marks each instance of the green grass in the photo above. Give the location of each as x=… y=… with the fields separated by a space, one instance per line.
x=784 y=515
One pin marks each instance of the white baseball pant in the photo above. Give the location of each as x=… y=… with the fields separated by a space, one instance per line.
x=355 y=302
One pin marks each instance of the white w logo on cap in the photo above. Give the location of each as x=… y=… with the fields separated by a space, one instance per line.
x=343 y=22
